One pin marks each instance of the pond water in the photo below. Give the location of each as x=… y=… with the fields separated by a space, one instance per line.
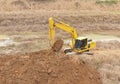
x=6 y=41
x=98 y=37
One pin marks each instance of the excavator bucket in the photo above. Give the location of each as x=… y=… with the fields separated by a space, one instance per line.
x=57 y=46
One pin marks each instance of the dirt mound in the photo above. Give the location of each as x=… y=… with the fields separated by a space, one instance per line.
x=46 y=67
x=19 y=4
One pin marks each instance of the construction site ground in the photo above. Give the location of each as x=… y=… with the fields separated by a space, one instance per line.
x=24 y=38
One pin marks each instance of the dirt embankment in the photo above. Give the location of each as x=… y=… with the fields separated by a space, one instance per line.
x=46 y=67
x=13 y=5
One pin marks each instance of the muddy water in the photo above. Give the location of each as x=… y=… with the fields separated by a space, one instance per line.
x=98 y=37
x=6 y=41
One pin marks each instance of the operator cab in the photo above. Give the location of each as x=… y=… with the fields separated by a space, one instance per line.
x=81 y=43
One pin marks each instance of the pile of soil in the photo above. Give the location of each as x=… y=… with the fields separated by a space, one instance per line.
x=46 y=67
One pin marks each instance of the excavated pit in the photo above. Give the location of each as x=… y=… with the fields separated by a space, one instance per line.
x=46 y=67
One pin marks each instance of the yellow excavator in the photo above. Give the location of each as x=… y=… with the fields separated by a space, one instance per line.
x=79 y=44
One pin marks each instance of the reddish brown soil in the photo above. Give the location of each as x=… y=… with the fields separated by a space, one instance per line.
x=57 y=45
x=46 y=67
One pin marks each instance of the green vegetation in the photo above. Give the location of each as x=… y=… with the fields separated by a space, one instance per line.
x=108 y=2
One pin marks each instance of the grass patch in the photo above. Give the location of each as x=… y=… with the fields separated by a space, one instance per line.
x=107 y=2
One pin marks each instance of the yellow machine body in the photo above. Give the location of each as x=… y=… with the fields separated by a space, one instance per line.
x=79 y=44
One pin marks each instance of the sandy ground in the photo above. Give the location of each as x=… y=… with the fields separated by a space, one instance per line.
x=25 y=30
x=28 y=32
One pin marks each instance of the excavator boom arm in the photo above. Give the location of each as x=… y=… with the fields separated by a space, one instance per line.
x=63 y=26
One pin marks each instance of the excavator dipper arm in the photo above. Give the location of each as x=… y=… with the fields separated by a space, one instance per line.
x=63 y=26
